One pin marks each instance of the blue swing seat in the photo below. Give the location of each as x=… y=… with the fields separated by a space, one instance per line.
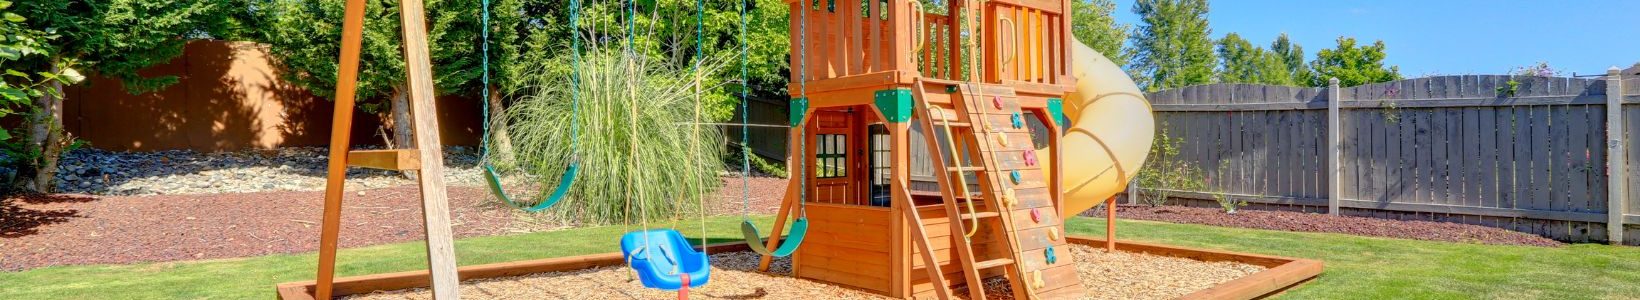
x=661 y=256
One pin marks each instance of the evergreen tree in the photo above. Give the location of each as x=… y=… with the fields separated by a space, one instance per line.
x=1292 y=54
x=1093 y=25
x=1353 y=65
x=304 y=36
x=1172 y=46
x=111 y=38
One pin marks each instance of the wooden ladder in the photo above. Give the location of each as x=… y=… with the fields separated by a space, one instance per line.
x=1017 y=221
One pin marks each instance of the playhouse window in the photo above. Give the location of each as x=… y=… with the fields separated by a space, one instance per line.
x=831 y=156
x=881 y=166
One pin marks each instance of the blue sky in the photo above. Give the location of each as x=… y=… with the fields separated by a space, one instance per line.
x=1445 y=37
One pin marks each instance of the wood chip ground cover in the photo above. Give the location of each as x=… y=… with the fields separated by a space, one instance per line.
x=1120 y=275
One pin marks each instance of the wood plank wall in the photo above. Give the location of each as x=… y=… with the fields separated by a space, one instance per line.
x=1447 y=148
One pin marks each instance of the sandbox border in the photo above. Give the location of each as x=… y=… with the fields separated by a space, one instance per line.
x=1281 y=274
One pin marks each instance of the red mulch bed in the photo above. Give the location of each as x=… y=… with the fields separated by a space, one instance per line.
x=51 y=230
x=1312 y=222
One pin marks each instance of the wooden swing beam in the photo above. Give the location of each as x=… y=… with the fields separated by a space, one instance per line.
x=427 y=157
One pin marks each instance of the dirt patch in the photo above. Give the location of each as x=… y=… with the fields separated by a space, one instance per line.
x=51 y=230
x=1119 y=275
x=1311 y=222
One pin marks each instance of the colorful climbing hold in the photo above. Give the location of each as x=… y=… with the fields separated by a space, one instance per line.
x=1030 y=157
x=1018 y=121
x=1036 y=279
x=1036 y=215
x=1051 y=258
x=1053 y=234
x=1002 y=139
x=996 y=101
x=1015 y=176
x=1008 y=197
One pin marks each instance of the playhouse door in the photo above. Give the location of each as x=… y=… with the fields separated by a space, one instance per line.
x=832 y=142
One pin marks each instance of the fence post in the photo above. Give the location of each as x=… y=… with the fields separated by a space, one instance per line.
x=1335 y=148
x=1616 y=174
x=1133 y=191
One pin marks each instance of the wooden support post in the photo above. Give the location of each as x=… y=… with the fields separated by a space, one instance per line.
x=347 y=78
x=900 y=134
x=794 y=168
x=1617 y=176
x=435 y=207
x=779 y=223
x=1335 y=148
x=1110 y=224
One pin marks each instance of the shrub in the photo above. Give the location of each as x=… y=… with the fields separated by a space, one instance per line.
x=672 y=163
x=1165 y=172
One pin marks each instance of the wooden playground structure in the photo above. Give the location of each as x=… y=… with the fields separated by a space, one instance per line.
x=881 y=92
x=865 y=73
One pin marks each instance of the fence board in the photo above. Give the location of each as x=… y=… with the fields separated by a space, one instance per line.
x=1481 y=138
x=1382 y=160
x=1540 y=149
x=1631 y=132
x=1429 y=191
x=1511 y=156
x=1278 y=147
x=1577 y=155
x=1596 y=145
x=1404 y=154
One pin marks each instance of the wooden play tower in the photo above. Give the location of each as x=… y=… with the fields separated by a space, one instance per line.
x=920 y=126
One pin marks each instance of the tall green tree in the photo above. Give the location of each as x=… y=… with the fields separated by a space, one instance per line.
x=1353 y=65
x=305 y=35
x=1241 y=62
x=112 y=38
x=1292 y=54
x=1172 y=46
x=1091 y=23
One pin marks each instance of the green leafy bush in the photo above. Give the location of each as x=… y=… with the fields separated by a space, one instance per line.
x=1165 y=172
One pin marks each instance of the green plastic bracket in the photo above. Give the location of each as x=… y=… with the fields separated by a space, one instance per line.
x=895 y=104
x=799 y=107
x=1056 y=109
x=951 y=88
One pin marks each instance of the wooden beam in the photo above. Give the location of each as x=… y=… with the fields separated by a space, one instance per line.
x=347 y=79
x=792 y=188
x=441 y=256
x=391 y=159
x=363 y=284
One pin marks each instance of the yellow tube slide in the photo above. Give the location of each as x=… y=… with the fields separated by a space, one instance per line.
x=1110 y=132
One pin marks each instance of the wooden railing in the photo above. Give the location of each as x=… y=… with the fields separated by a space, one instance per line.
x=850 y=37
x=936 y=56
x=841 y=38
x=1029 y=38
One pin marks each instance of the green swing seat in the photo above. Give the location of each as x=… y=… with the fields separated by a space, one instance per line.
x=564 y=183
x=800 y=228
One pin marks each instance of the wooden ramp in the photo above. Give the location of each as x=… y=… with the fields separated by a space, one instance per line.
x=1009 y=226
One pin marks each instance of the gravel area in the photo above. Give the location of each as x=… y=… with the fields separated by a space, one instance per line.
x=1311 y=222
x=73 y=229
x=1119 y=275
x=178 y=172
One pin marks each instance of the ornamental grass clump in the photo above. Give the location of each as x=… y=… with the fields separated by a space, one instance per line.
x=663 y=174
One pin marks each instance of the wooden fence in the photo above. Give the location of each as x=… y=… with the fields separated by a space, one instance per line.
x=1539 y=157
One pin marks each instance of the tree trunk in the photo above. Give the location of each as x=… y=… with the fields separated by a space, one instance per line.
x=501 y=141
x=46 y=135
x=403 y=133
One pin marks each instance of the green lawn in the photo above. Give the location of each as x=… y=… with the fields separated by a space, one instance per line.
x=1357 y=267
